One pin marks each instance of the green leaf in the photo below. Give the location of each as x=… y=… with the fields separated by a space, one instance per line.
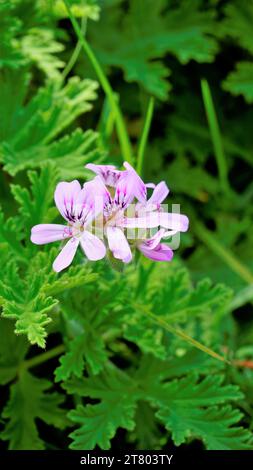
x=29 y=400
x=137 y=40
x=151 y=75
x=207 y=297
x=189 y=32
x=24 y=301
x=33 y=321
x=10 y=236
x=73 y=151
x=148 y=337
x=23 y=45
x=39 y=47
x=98 y=423
x=76 y=276
x=215 y=426
x=238 y=22
x=185 y=301
x=28 y=300
x=35 y=204
x=38 y=123
x=10 y=25
x=187 y=407
x=88 y=9
x=172 y=301
x=109 y=383
x=183 y=362
x=146 y=434
x=85 y=349
x=240 y=81
x=197 y=183
x=189 y=392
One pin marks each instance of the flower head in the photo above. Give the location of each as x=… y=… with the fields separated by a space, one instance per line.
x=77 y=206
x=114 y=204
x=147 y=214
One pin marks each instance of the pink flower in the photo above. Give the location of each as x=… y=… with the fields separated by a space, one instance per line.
x=104 y=204
x=128 y=186
x=79 y=208
x=153 y=248
x=149 y=213
x=127 y=180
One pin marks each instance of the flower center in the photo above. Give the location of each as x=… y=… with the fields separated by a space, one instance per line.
x=113 y=218
x=77 y=229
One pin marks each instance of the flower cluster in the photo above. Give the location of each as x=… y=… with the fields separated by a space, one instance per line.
x=112 y=212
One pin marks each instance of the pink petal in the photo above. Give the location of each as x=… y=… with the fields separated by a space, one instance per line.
x=47 y=233
x=153 y=242
x=134 y=183
x=160 y=192
x=118 y=244
x=65 y=197
x=167 y=220
x=129 y=186
x=161 y=253
x=83 y=209
x=96 y=195
x=107 y=173
x=178 y=222
x=66 y=255
x=124 y=193
x=92 y=246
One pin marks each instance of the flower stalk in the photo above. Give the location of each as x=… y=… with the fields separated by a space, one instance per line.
x=41 y=358
x=181 y=334
x=120 y=124
x=144 y=135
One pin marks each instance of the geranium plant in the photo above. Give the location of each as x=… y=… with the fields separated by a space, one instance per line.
x=125 y=314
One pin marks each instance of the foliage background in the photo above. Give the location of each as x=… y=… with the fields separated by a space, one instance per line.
x=120 y=366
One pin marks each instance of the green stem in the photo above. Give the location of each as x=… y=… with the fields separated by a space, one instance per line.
x=76 y=52
x=106 y=123
x=209 y=239
x=144 y=136
x=120 y=124
x=46 y=356
x=161 y=322
x=215 y=135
